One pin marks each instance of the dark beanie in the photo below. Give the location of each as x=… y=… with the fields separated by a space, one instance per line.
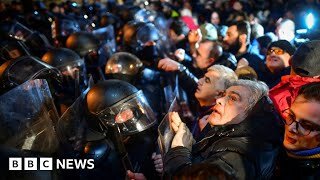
x=264 y=41
x=284 y=45
x=306 y=60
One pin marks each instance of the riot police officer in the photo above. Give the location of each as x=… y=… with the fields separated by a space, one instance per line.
x=72 y=68
x=112 y=123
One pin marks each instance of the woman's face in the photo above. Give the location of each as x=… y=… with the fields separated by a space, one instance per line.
x=230 y=109
x=306 y=134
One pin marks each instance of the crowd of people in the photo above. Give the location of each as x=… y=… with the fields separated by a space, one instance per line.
x=162 y=89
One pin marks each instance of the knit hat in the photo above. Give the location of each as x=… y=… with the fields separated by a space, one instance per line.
x=284 y=45
x=264 y=41
x=306 y=60
x=209 y=32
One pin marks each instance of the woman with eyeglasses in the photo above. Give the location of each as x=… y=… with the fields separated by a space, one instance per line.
x=301 y=159
x=277 y=62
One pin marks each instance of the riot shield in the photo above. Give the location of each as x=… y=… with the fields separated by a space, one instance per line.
x=27 y=118
x=72 y=128
x=165 y=130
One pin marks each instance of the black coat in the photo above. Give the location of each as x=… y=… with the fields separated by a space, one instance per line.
x=294 y=168
x=246 y=151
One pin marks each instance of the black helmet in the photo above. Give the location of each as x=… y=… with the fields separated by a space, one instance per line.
x=124 y=66
x=127 y=12
x=147 y=32
x=82 y=43
x=129 y=32
x=72 y=67
x=110 y=19
x=62 y=57
x=22 y=69
x=118 y=102
x=144 y=15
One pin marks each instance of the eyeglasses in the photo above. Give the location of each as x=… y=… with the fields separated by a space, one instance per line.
x=303 y=127
x=276 y=51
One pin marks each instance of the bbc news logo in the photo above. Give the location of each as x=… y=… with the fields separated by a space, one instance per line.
x=47 y=164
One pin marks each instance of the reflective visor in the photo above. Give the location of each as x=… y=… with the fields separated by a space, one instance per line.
x=28 y=67
x=132 y=114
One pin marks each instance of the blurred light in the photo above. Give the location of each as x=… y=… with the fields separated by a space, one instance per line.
x=50 y=19
x=74 y=4
x=36 y=12
x=310 y=20
x=93 y=24
x=301 y=31
x=146 y=3
x=85 y=16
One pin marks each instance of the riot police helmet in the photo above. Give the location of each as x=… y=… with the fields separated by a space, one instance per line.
x=116 y=102
x=124 y=66
x=82 y=43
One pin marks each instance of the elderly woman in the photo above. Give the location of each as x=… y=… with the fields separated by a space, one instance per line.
x=243 y=141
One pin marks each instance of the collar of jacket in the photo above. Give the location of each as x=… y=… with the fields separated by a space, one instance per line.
x=305 y=154
x=216 y=132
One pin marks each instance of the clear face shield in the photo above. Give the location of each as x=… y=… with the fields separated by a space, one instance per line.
x=146 y=33
x=20 y=32
x=132 y=114
x=74 y=78
x=68 y=27
x=27 y=68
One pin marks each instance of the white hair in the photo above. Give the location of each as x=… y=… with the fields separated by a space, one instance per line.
x=227 y=74
x=258 y=89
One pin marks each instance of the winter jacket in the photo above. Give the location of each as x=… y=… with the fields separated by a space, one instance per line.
x=299 y=165
x=246 y=150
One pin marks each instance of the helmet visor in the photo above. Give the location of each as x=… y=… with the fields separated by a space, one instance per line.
x=20 y=32
x=28 y=67
x=132 y=114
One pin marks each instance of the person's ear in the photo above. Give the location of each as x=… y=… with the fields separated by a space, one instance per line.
x=290 y=61
x=211 y=60
x=243 y=38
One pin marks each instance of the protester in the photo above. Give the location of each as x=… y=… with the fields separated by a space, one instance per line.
x=239 y=142
x=302 y=135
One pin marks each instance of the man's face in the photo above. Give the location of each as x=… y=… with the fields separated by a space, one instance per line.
x=307 y=113
x=230 y=109
x=277 y=59
x=215 y=18
x=209 y=87
x=173 y=36
x=231 y=40
x=202 y=55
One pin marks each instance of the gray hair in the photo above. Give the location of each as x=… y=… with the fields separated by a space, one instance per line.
x=258 y=89
x=227 y=74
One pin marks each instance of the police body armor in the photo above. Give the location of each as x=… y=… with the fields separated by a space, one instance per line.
x=112 y=123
